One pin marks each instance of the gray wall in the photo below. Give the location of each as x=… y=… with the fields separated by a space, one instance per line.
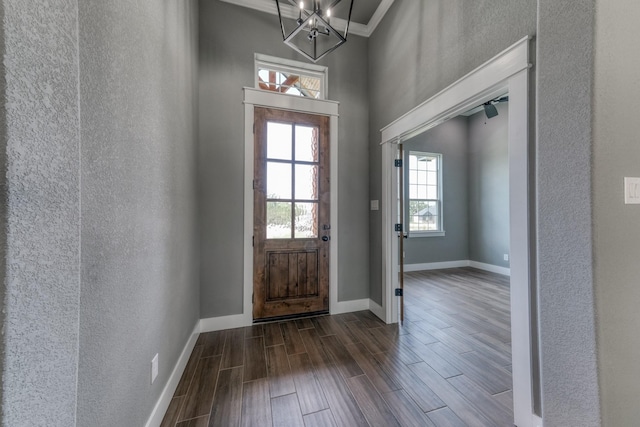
x=450 y=140
x=139 y=257
x=422 y=47
x=564 y=224
x=41 y=207
x=616 y=231
x=229 y=37
x=489 y=187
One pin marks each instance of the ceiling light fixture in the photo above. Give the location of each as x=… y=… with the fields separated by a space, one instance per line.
x=313 y=36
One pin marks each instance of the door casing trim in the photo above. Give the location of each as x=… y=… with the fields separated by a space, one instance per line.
x=260 y=98
x=506 y=72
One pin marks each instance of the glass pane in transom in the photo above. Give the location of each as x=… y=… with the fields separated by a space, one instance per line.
x=279 y=141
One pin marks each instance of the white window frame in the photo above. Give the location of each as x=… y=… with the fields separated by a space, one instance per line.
x=424 y=233
x=289 y=66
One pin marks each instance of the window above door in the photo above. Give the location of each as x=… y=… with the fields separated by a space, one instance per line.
x=290 y=77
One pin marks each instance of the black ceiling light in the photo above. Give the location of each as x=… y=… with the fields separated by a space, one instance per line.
x=490 y=108
x=313 y=35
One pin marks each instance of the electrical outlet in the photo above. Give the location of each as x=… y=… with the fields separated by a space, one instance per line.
x=375 y=205
x=631 y=191
x=154 y=368
x=506 y=257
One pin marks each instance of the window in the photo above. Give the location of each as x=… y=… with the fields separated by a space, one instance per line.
x=425 y=194
x=290 y=77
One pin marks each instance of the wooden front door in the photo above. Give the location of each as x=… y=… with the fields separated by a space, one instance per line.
x=291 y=214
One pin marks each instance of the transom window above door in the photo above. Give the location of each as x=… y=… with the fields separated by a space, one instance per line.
x=290 y=77
x=292 y=170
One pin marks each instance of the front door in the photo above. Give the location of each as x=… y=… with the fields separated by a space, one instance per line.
x=291 y=214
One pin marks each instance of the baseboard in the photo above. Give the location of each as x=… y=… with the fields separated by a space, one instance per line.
x=377 y=309
x=349 y=306
x=489 y=267
x=225 y=322
x=537 y=421
x=155 y=419
x=436 y=265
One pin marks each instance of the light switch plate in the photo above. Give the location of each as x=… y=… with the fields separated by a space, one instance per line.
x=375 y=205
x=631 y=191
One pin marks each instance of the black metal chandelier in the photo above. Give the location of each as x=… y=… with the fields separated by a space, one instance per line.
x=313 y=36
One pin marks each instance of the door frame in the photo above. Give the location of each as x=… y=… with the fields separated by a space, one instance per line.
x=261 y=98
x=506 y=72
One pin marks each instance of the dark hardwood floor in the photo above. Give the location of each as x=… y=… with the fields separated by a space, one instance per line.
x=448 y=365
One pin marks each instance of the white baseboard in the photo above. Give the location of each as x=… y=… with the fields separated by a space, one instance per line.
x=376 y=309
x=537 y=421
x=155 y=419
x=489 y=267
x=456 y=264
x=436 y=265
x=349 y=306
x=225 y=322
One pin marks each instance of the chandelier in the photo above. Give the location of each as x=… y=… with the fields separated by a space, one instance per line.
x=313 y=35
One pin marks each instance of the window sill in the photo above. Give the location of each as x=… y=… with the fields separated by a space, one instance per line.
x=426 y=234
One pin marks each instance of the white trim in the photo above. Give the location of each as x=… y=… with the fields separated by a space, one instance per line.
x=376 y=309
x=457 y=264
x=224 y=322
x=490 y=77
x=274 y=63
x=291 y=12
x=253 y=98
x=340 y=307
x=537 y=421
x=506 y=72
x=491 y=268
x=436 y=265
x=159 y=410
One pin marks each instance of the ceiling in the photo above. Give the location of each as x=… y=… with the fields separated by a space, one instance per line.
x=365 y=17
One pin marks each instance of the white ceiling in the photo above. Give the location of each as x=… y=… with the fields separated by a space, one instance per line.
x=365 y=17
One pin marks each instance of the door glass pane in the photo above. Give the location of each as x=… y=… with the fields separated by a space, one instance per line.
x=279 y=220
x=279 y=141
x=307 y=182
x=306 y=144
x=306 y=220
x=278 y=180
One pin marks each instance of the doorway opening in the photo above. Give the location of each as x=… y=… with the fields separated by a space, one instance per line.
x=508 y=72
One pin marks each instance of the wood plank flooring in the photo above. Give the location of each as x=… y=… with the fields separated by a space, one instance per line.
x=448 y=365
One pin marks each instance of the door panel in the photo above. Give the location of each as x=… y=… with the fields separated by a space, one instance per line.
x=291 y=214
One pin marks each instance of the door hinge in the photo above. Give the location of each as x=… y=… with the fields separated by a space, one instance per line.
x=397 y=163
x=398 y=227
x=252 y=300
x=254 y=184
x=253 y=240
x=399 y=292
x=254 y=127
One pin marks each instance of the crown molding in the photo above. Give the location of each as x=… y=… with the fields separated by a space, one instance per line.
x=339 y=24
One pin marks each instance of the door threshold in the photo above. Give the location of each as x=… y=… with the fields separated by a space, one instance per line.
x=291 y=317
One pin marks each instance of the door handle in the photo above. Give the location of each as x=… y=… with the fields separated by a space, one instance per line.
x=325 y=238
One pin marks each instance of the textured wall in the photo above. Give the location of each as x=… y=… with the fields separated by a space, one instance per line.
x=489 y=187
x=419 y=49
x=226 y=65
x=450 y=140
x=139 y=254
x=42 y=213
x=616 y=231
x=565 y=267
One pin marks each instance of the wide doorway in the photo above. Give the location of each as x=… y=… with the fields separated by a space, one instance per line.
x=291 y=215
